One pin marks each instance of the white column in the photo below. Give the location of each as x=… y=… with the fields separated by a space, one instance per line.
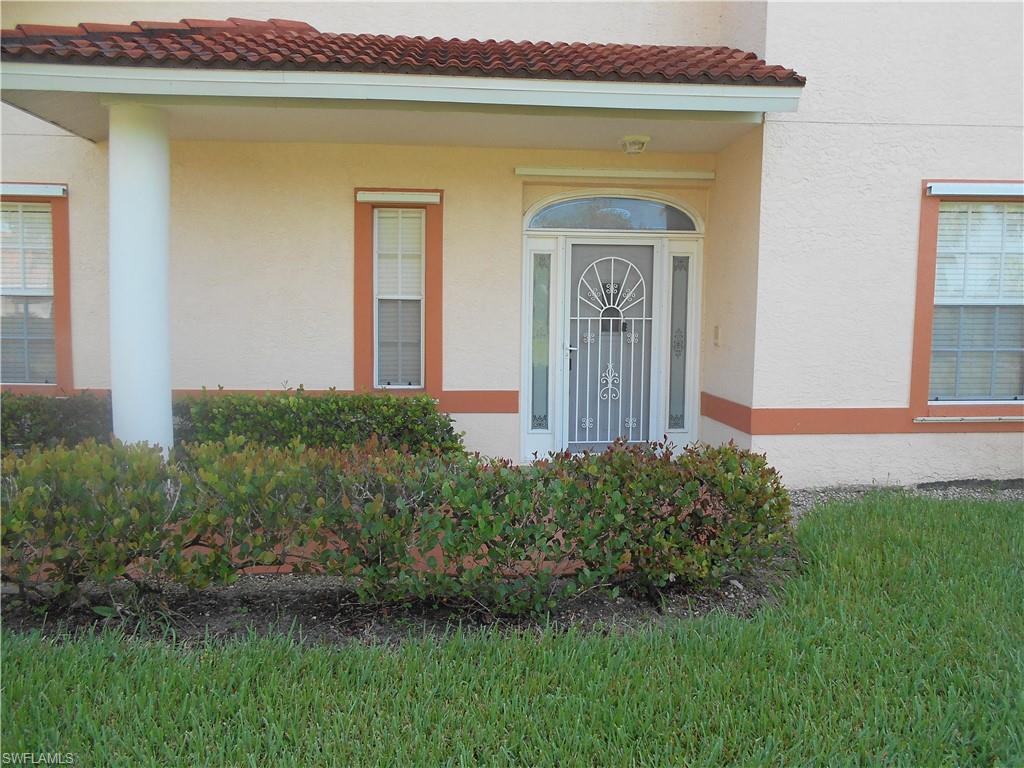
x=140 y=354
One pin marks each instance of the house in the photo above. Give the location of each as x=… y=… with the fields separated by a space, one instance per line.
x=797 y=225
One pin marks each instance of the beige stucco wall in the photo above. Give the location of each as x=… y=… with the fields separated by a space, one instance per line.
x=716 y=433
x=730 y=271
x=36 y=151
x=261 y=253
x=814 y=461
x=896 y=93
x=492 y=434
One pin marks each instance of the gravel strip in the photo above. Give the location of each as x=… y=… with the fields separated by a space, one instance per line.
x=976 y=490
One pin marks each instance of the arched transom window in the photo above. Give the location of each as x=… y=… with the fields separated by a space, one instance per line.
x=613 y=213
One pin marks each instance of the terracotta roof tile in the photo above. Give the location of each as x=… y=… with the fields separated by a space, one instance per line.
x=152 y=26
x=237 y=43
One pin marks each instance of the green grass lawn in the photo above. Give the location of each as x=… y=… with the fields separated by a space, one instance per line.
x=900 y=643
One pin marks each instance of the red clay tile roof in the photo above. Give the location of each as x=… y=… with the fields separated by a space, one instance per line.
x=280 y=44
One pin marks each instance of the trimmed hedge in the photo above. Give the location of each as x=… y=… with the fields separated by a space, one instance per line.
x=328 y=420
x=331 y=420
x=27 y=420
x=395 y=526
x=84 y=513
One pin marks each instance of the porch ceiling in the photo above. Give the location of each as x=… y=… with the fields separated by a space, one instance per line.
x=382 y=122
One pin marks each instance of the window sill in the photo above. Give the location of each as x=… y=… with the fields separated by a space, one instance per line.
x=972 y=403
x=969 y=420
x=965 y=411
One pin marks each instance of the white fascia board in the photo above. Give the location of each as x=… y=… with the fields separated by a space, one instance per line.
x=430 y=198
x=34 y=190
x=613 y=173
x=358 y=86
x=976 y=189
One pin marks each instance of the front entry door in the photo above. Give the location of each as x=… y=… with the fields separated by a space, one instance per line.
x=610 y=299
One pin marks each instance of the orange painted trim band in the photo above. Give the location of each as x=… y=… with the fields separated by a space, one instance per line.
x=725 y=412
x=451 y=401
x=852 y=421
x=479 y=401
x=44 y=390
x=65 y=378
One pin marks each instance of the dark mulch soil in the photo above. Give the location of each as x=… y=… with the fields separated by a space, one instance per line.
x=316 y=610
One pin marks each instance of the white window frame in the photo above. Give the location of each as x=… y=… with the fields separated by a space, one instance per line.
x=34 y=293
x=962 y=198
x=377 y=297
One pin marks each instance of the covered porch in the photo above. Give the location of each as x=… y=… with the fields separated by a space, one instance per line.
x=243 y=210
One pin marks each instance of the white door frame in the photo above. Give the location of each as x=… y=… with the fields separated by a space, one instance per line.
x=558 y=245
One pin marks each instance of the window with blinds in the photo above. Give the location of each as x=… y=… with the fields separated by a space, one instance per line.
x=27 y=354
x=978 y=326
x=398 y=281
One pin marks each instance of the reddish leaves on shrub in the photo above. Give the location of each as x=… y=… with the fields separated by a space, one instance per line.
x=395 y=525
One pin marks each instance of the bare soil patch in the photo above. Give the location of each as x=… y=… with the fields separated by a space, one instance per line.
x=319 y=610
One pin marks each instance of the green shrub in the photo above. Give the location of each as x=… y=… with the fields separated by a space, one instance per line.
x=28 y=420
x=633 y=508
x=392 y=524
x=87 y=512
x=244 y=505
x=431 y=527
x=382 y=513
x=750 y=506
x=328 y=420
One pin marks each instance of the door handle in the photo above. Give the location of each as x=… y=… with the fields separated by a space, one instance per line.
x=569 y=349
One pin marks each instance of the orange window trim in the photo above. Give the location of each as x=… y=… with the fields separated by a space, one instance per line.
x=924 y=310
x=450 y=401
x=433 y=287
x=61 y=299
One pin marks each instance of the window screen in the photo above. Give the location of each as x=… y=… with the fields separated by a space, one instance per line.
x=27 y=354
x=398 y=276
x=978 y=325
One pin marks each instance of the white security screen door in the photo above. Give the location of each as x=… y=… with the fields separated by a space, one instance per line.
x=609 y=334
